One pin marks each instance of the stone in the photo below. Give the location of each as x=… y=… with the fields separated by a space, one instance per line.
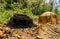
x=1 y=33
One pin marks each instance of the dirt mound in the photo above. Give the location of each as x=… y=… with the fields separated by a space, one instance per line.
x=48 y=17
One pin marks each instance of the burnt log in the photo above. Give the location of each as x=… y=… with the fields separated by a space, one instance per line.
x=20 y=21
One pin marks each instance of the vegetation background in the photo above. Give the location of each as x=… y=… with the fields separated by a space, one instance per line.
x=32 y=8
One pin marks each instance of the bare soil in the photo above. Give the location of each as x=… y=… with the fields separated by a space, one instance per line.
x=40 y=31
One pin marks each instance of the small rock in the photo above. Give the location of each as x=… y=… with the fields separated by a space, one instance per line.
x=38 y=37
x=6 y=28
x=23 y=37
x=1 y=33
x=12 y=38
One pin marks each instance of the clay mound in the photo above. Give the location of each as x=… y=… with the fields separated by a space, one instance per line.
x=20 y=21
x=47 y=14
x=48 y=17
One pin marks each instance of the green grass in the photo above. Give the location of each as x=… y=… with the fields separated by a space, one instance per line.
x=7 y=14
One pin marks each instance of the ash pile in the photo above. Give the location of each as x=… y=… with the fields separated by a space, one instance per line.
x=20 y=21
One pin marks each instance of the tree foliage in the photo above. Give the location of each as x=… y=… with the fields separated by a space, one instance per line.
x=31 y=8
